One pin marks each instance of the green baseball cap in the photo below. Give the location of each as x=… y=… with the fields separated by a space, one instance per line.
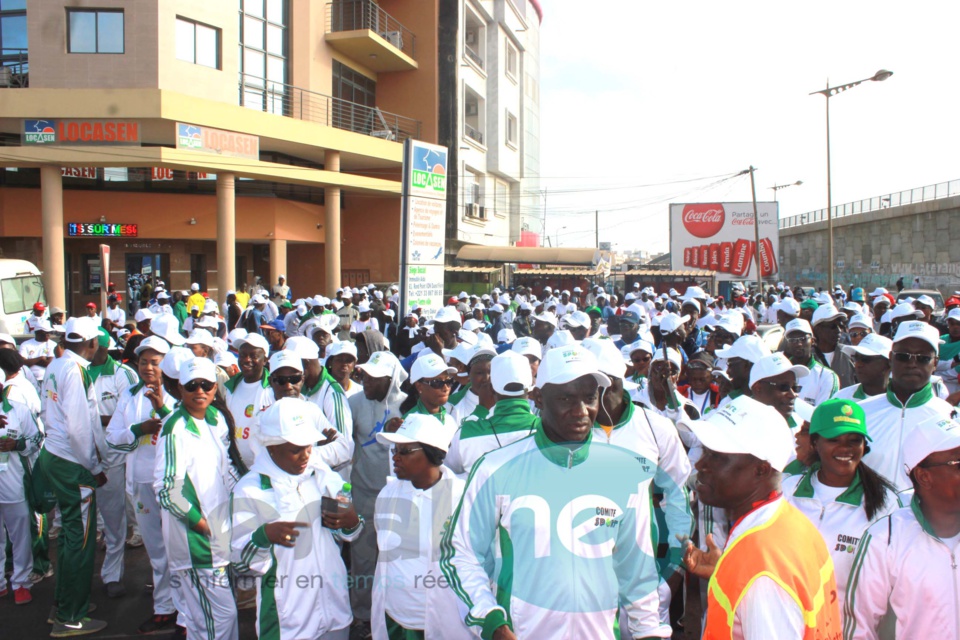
x=594 y=309
x=103 y=340
x=810 y=304
x=836 y=417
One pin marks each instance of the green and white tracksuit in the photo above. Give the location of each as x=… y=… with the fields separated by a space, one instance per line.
x=69 y=462
x=841 y=521
x=819 y=385
x=243 y=399
x=332 y=400
x=124 y=434
x=509 y=420
x=302 y=590
x=904 y=583
x=193 y=480
x=110 y=380
x=463 y=407
x=889 y=423
x=573 y=529
x=15 y=470
x=853 y=392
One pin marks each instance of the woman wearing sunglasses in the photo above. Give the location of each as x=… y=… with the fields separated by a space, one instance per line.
x=287 y=525
x=194 y=476
x=638 y=356
x=840 y=494
x=411 y=599
x=432 y=380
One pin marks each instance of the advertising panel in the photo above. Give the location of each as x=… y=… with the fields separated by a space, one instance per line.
x=721 y=237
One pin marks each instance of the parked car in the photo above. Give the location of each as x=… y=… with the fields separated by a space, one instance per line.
x=938 y=310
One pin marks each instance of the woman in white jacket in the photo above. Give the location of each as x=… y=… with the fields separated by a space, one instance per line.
x=411 y=598
x=839 y=493
x=283 y=535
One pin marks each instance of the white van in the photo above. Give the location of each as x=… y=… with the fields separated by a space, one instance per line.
x=21 y=286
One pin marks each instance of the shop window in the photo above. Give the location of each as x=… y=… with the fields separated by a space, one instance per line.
x=92 y=277
x=94 y=31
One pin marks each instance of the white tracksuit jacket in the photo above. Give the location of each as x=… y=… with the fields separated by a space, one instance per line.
x=124 y=434
x=841 y=522
x=573 y=529
x=902 y=567
x=819 y=385
x=19 y=419
x=70 y=415
x=302 y=591
x=889 y=423
x=332 y=400
x=110 y=382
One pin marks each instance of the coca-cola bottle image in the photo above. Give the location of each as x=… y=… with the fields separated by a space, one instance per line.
x=768 y=261
x=715 y=256
x=704 y=256
x=694 y=257
x=686 y=256
x=742 y=255
x=726 y=257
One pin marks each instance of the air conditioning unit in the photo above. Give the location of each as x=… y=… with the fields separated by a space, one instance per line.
x=471 y=108
x=394 y=37
x=473 y=210
x=482 y=213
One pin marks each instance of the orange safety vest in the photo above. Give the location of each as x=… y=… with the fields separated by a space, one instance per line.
x=789 y=550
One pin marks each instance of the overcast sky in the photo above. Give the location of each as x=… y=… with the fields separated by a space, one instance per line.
x=635 y=92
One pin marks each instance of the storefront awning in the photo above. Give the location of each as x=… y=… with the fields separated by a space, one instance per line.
x=473 y=269
x=664 y=273
x=558 y=272
x=528 y=255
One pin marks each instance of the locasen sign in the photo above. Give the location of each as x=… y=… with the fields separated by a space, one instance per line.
x=81 y=132
x=225 y=143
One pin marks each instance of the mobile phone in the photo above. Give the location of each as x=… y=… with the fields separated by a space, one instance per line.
x=329 y=505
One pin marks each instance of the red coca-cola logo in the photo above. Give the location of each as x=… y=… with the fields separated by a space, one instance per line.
x=703 y=220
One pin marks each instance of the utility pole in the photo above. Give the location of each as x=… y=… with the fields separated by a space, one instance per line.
x=596 y=227
x=756 y=230
x=543 y=228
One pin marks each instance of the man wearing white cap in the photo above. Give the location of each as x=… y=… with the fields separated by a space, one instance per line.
x=563 y=474
x=829 y=324
x=821 y=383
x=281 y=290
x=908 y=400
x=478 y=397
x=903 y=582
x=193 y=478
x=654 y=439
x=329 y=394
x=746 y=445
x=282 y=535
x=70 y=463
x=246 y=391
x=739 y=358
x=39 y=351
x=871 y=362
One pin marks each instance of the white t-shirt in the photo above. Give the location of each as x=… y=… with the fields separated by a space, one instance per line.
x=828 y=357
x=823 y=493
x=118 y=316
x=243 y=403
x=359 y=326
x=33 y=349
x=701 y=402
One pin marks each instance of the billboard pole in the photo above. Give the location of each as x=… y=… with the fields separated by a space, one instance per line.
x=756 y=229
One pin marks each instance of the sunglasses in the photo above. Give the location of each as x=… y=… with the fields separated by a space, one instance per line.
x=784 y=387
x=296 y=378
x=439 y=384
x=404 y=452
x=857 y=357
x=798 y=340
x=193 y=385
x=900 y=356
x=859 y=334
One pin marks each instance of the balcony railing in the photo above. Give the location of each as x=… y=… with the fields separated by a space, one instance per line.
x=472 y=133
x=352 y=15
x=294 y=102
x=910 y=196
x=14 y=68
x=473 y=55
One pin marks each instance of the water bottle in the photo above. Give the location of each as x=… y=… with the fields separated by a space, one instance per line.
x=344 y=499
x=10 y=432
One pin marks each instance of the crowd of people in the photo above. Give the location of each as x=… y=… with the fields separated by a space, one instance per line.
x=518 y=464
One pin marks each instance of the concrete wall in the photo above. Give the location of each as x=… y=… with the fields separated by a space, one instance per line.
x=876 y=248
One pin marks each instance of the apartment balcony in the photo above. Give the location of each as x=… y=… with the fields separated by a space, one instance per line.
x=294 y=102
x=14 y=69
x=367 y=34
x=472 y=133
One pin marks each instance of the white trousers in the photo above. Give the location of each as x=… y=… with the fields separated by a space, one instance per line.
x=15 y=519
x=148 y=518
x=132 y=516
x=112 y=505
x=208 y=602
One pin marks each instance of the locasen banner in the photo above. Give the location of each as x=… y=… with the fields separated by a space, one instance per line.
x=720 y=237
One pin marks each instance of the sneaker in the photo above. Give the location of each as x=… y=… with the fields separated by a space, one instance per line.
x=134 y=541
x=158 y=623
x=22 y=596
x=36 y=577
x=79 y=628
x=52 y=616
x=54 y=533
x=114 y=590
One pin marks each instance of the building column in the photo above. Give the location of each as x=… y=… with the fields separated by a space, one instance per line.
x=331 y=202
x=278 y=261
x=51 y=207
x=226 y=236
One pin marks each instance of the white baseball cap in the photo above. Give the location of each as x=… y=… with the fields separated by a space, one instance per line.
x=463 y=295
x=510 y=368
x=547 y=316
x=577 y=319
x=668 y=355
x=561 y=338
x=789 y=306
x=194 y=287
x=744 y=425
x=930 y=436
x=639 y=345
x=7 y=339
x=921 y=330
x=200 y=337
x=506 y=335
x=45 y=326
x=853 y=306
x=225 y=359
x=798 y=324
x=208 y=322
x=290 y=420
x=860 y=320
x=429 y=366
x=285 y=358
x=774 y=365
x=305 y=348
x=421 y=428
x=472 y=324
x=826 y=312
x=85 y=328
x=872 y=345
x=198 y=369
x=447 y=314
x=671 y=322
x=904 y=310
x=879 y=291
x=254 y=340
x=609 y=359
x=383 y=364
x=731 y=321
x=954 y=314
x=527 y=346
x=566 y=364
x=340 y=348
x=926 y=301
x=167 y=327
x=143 y=314
x=153 y=343
x=751 y=348
x=363 y=307
x=235 y=335
x=171 y=363
x=694 y=292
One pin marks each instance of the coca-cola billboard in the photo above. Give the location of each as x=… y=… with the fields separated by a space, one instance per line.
x=719 y=236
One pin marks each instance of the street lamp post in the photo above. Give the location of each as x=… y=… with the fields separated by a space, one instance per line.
x=777 y=187
x=557 y=235
x=828 y=93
